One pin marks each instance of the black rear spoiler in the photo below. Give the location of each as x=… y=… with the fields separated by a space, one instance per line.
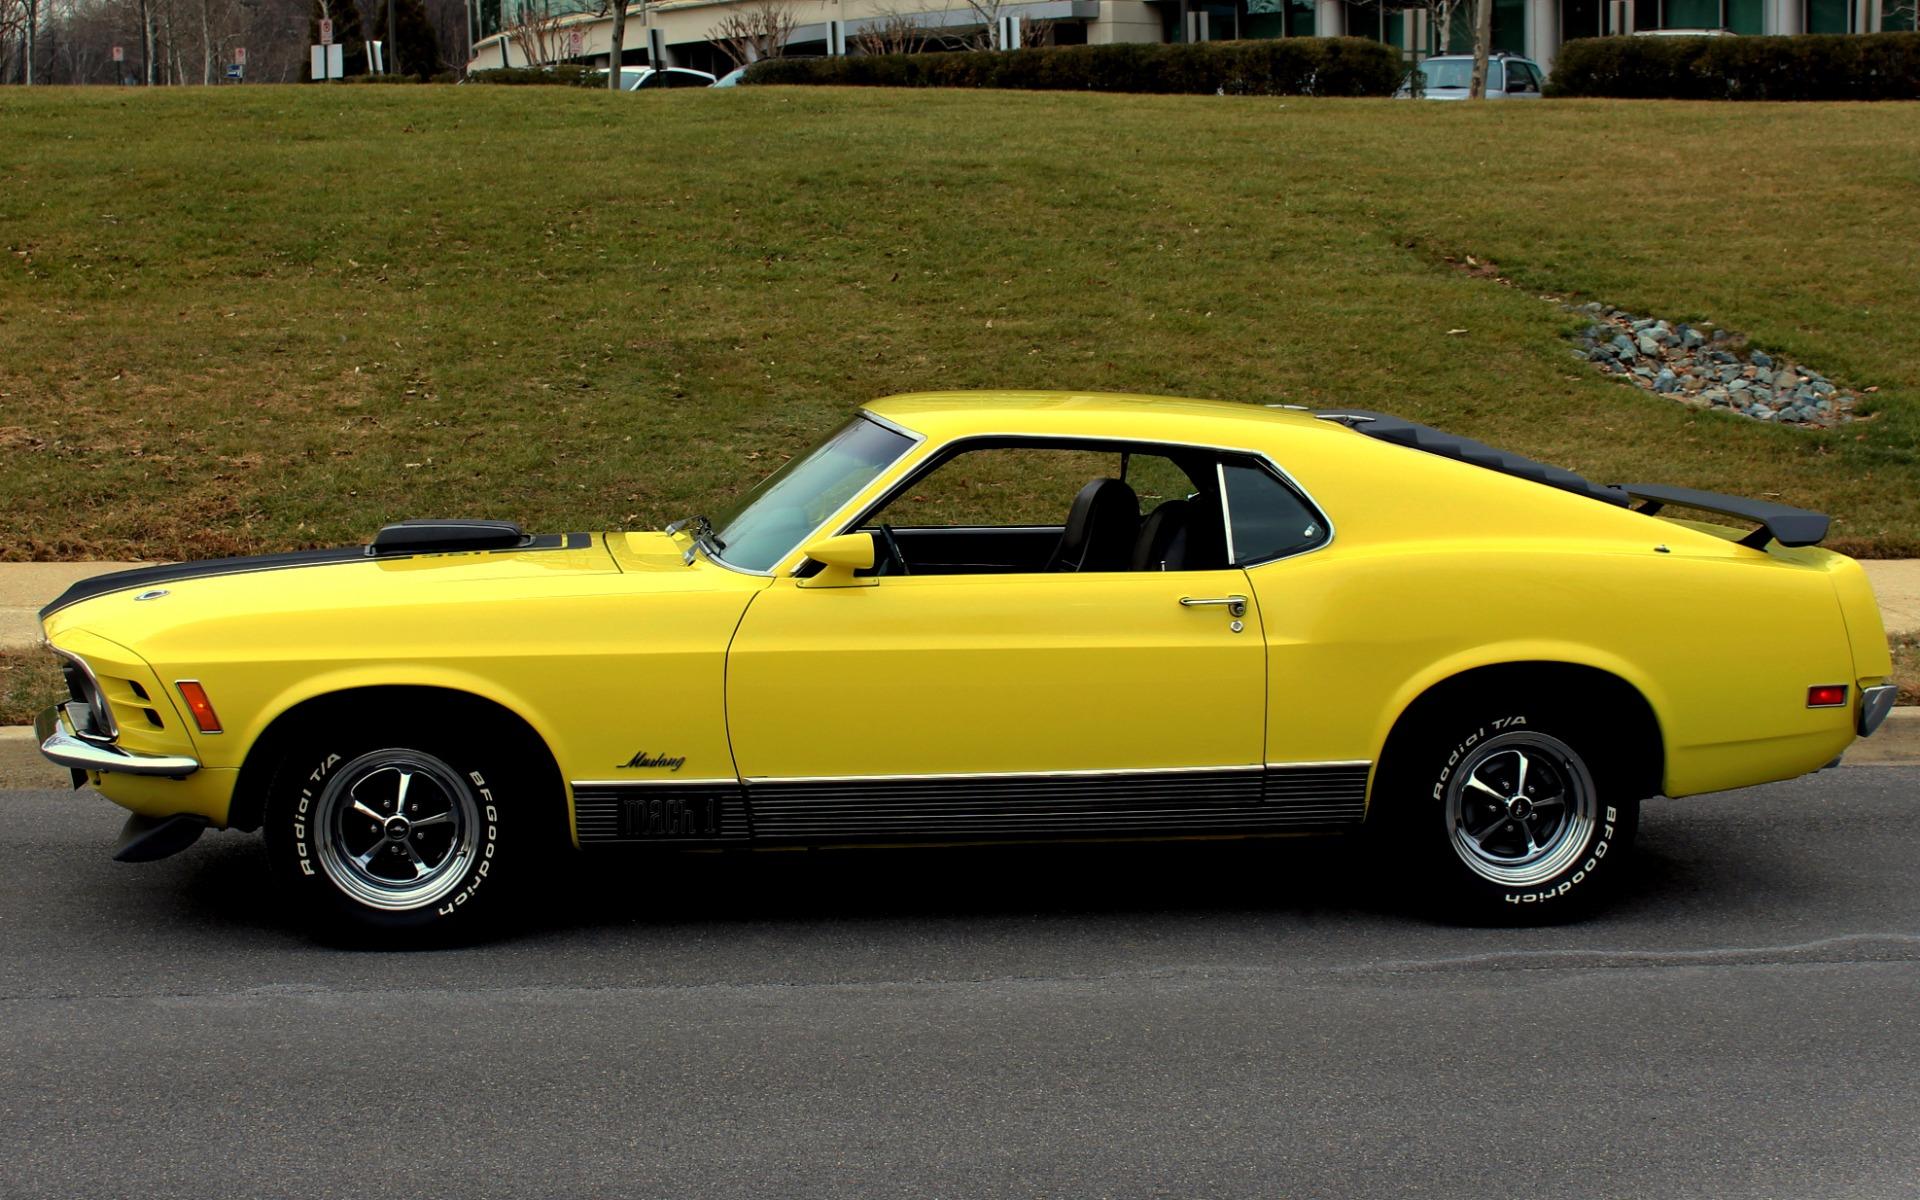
x=1778 y=522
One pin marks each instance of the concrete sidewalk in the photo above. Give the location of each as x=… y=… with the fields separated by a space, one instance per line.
x=24 y=587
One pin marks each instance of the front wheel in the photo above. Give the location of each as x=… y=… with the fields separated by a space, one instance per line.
x=394 y=841
x=1509 y=816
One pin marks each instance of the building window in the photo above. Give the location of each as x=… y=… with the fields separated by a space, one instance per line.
x=1829 y=16
x=1747 y=16
x=1692 y=14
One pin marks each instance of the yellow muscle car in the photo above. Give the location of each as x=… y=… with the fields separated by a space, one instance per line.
x=990 y=617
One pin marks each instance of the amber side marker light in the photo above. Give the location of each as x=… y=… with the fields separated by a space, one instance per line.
x=1827 y=695
x=199 y=705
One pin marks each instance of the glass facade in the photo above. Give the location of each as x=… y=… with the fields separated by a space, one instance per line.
x=1829 y=16
x=1745 y=16
x=1509 y=28
x=1582 y=18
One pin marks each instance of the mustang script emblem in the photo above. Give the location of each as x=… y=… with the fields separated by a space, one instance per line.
x=643 y=759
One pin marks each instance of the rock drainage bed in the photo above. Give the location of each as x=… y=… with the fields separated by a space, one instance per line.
x=1703 y=367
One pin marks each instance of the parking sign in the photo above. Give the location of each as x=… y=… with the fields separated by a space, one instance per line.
x=119 y=55
x=326 y=31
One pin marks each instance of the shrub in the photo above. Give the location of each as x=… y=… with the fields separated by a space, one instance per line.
x=562 y=75
x=1281 y=67
x=1811 y=66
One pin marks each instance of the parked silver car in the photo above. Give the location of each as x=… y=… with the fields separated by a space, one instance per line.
x=1446 y=76
x=633 y=79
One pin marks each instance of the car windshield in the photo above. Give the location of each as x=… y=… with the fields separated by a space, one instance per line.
x=1447 y=72
x=792 y=502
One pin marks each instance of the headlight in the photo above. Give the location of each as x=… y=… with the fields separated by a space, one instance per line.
x=96 y=722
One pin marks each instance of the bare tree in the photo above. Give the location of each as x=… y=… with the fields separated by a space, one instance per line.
x=1482 y=48
x=894 y=32
x=537 y=34
x=751 y=34
x=619 y=47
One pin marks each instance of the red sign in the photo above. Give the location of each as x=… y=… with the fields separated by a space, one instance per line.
x=119 y=55
x=239 y=56
x=574 y=43
x=326 y=32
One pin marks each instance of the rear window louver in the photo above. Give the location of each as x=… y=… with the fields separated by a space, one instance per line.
x=1416 y=436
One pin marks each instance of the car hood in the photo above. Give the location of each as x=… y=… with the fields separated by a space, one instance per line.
x=139 y=607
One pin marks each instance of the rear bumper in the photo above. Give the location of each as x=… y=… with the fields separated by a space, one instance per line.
x=1875 y=704
x=54 y=730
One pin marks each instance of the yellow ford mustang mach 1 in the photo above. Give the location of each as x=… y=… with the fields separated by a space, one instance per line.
x=990 y=617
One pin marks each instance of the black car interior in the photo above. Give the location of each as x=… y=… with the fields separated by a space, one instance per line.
x=1104 y=529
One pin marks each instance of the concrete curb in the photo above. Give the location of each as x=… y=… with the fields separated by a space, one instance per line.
x=1895 y=744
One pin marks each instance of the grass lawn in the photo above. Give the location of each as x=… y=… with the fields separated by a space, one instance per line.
x=243 y=319
x=29 y=681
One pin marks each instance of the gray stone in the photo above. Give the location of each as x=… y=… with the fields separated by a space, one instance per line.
x=1763 y=376
x=1690 y=337
x=1666 y=381
x=1739 y=385
x=1623 y=343
x=1642 y=323
x=1644 y=372
x=1648 y=346
x=1820 y=387
x=1719 y=335
x=1824 y=405
x=1761 y=359
x=1759 y=413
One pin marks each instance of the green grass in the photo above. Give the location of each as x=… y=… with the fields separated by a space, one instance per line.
x=29 y=681
x=252 y=318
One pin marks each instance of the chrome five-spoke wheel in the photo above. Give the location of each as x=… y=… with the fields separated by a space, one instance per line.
x=1520 y=808
x=396 y=829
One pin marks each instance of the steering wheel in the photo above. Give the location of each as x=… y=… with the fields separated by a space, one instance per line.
x=894 y=557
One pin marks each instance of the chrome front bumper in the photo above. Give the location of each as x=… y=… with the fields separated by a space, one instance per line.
x=1875 y=704
x=60 y=744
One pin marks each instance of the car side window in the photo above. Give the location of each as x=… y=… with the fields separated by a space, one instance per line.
x=1032 y=507
x=999 y=487
x=1266 y=519
x=1495 y=77
x=1519 y=77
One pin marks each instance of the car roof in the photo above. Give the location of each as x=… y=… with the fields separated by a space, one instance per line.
x=1119 y=416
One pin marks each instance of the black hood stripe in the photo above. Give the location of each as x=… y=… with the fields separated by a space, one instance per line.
x=120 y=581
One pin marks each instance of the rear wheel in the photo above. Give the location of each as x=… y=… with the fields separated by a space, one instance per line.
x=1509 y=814
x=394 y=841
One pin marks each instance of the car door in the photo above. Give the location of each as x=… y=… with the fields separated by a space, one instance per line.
x=999 y=706
x=1021 y=682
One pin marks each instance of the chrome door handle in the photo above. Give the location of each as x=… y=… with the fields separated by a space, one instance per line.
x=1236 y=605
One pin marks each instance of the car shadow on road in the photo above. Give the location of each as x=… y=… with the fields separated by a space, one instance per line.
x=1280 y=883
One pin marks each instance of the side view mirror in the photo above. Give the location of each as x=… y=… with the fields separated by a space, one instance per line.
x=839 y=557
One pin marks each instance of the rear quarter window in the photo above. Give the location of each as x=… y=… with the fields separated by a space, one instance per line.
x=1267 y=519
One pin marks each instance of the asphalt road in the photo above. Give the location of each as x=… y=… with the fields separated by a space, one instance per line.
x=1195 y=1021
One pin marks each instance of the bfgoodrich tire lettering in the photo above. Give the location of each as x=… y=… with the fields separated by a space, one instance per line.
x=388 y=839
x=1512 y=818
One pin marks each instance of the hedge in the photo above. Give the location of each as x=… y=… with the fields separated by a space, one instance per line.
x=1808 y=66
x=1280 y=67
x=560 y=75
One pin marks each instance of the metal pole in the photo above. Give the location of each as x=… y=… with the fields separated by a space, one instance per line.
x=393 y=44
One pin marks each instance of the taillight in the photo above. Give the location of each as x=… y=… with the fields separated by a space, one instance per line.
x=199 y=705
x=1827 y=695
